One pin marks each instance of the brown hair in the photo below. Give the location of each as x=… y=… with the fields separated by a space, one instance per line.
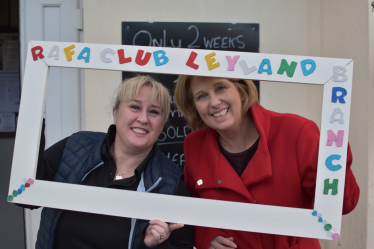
x=186 y=105
x=131 y=87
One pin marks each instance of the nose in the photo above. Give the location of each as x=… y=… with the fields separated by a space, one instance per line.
x=214 y=100
x=143 y=117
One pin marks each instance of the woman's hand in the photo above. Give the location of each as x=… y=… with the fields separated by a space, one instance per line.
x=158 y=231
x=220 y=242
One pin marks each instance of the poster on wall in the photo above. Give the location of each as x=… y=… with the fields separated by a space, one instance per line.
x=9 y=92
x=7 y=122
x=9 y=82
x=9 y=53
x=242 y=37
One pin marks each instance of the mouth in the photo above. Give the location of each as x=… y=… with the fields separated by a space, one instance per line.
x=139 y=130
x=221 y=113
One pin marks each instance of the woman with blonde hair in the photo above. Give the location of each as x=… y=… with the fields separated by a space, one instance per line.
x=245 y=153
x=128 y=158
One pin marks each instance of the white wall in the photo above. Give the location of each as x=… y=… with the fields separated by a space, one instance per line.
x=370 y=135
x=330 y=28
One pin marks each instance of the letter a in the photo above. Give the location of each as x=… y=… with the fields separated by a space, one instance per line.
x=337 y=110
x=263 y=63
x=86 y=51
x=57 y=54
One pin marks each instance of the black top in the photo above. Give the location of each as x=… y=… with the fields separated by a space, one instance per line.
x=239 y=161
x=94 y=231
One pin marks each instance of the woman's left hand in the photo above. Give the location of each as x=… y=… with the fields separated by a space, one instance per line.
x=158 y=231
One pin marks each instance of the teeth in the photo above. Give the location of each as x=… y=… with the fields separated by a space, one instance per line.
x=221 y=113
x=140 y=131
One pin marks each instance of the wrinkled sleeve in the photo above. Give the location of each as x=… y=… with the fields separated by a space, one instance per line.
x=307 y=158
x=203 y=235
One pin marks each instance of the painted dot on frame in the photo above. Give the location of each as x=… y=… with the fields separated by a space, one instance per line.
x=10 y=198
x=320 y=219
x=335 y=236
x=314 y=213
x=328 y=227
x=15 y=193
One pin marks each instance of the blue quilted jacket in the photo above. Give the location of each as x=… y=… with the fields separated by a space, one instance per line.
x=81 y=155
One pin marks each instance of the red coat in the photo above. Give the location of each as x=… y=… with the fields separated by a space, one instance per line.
x=281 y=173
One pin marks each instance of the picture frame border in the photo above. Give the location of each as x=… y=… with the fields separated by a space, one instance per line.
x=187 y=210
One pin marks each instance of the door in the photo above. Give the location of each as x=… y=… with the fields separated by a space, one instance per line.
x=53 y=20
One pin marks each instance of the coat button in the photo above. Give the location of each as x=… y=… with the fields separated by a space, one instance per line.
x=199 y=182
x=219 y=181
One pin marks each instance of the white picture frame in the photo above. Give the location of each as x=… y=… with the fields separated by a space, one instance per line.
x=332 y=73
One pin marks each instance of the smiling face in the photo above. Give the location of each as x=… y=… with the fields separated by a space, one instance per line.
x=218 y=103
x=139 y=122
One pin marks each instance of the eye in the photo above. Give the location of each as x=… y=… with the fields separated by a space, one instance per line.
x=156 y=112
x=134 y=107
x=220 y=88
x=201 y=96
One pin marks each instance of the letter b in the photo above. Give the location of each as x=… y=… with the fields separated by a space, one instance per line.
x=158 y=58
x=339 y=74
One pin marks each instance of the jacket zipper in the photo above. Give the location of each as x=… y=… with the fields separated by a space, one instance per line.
x=154 y=185
x=133 y=220
x=91 y=170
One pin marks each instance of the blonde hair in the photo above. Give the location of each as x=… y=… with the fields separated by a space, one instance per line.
x=130 y=88
x=186 y=105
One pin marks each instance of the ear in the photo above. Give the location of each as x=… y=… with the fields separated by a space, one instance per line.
x=114 y=115
x=241 y=96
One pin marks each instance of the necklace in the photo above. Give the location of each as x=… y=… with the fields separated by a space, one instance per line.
x=119 y=176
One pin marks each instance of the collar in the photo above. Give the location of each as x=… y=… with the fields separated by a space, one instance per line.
x=111 y=135
x=216 y=171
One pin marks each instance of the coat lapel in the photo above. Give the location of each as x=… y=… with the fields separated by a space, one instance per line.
x=259 y=168
x=215 y=172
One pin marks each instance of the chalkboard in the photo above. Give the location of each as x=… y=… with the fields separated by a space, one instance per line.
x=243 y=37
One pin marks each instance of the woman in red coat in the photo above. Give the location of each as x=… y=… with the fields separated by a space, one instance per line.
x=245 y=153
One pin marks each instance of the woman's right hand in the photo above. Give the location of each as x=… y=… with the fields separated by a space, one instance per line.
x=220 y=242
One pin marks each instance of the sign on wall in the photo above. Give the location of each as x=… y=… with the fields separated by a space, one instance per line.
x=243 y=37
